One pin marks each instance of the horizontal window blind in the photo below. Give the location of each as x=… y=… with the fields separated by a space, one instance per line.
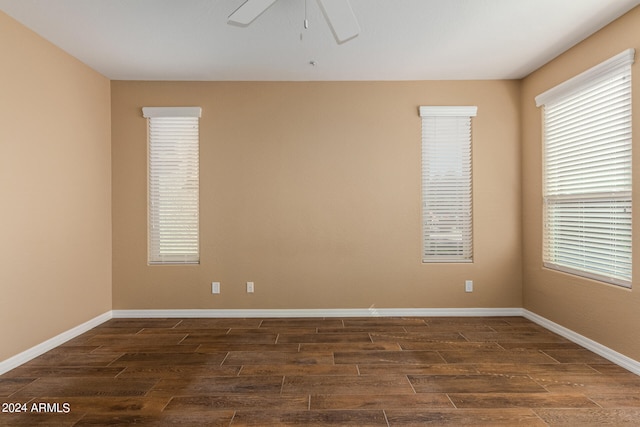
x=447 y=222
x=587 y=174
x=173 y=204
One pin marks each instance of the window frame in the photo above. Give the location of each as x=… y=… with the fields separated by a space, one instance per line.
x=446 y=132
x=173 y=174
x=576 y=198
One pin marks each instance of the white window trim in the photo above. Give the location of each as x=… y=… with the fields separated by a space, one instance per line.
x=449 y=111
x=570 y=86
x=148 y=112
x=594 y=75
x=154 y=251
x=466 y=113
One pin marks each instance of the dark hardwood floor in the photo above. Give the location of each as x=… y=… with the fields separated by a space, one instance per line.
x=320 y=371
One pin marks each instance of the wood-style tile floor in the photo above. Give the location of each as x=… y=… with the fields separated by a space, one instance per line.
x=318 y=372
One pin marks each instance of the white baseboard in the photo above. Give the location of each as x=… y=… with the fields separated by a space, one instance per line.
x=609 y=354
x=601 y=350
x=33 y=352
x=333 y=312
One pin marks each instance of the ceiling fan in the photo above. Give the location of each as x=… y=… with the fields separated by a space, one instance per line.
x=338 y=13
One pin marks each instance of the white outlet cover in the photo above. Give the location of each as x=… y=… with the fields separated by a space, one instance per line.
x=215 y=287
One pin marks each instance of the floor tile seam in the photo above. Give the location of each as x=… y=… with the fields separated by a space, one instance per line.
x=317 y=410
x=549 y=356
x=232 y=417
x=535 y=412
x=590 y=366
x=85 y=414
x=166 y=404
x=493 y=329
x=19 y=390
x=149 y=390
x=551 y=395
x=501 y=346
x=198 y=348
x=121 y=355
x=593 y=401
x=225 y=358
x=475 y=367
x=539 y=382
x=184 y=338
x=384 y=412
x=451 y=400
x=617 y=407
x=411 y=384
x=445 y=361
x=95 y=350
x=124 y=368
x=463 y=336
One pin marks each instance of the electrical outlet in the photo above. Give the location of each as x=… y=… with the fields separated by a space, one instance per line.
x=215 y=287
x=468 y=286
x=249 y=287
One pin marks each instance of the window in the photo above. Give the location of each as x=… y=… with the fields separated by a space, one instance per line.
x=587 y=173
x=447 y=234
x=173 y=202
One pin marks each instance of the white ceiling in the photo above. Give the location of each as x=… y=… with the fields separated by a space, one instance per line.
x=399 y=39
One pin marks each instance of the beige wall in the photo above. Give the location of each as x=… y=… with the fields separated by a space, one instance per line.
x=607 y=314
x=309 y=189
x=312 y=191
x=55 y=221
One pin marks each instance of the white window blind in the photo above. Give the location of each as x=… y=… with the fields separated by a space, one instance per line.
x=447 y=226
x=173 y=204
x=587 y=173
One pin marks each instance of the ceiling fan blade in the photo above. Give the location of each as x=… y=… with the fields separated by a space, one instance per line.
x=249 y=11
x=341 y=19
